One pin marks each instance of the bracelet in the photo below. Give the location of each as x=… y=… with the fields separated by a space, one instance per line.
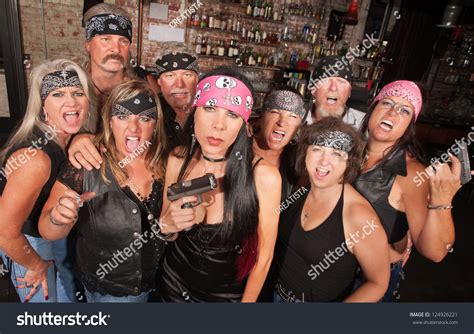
x=440 y=207
x=167 y=237
x=54 y=222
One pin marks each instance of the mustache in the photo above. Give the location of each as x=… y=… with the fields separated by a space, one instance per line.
x=114 y=57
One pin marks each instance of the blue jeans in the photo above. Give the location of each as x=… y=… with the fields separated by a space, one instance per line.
x=60 y=277
x=396 y=276
x=95 y=297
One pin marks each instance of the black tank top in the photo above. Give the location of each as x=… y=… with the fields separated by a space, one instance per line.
x=315 y=265
x=198 y=268
x=375 y=185
x=58 y=160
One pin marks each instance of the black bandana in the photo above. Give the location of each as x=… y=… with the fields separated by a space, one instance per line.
x=108 y=24
x=58 y=79
x=334 y=139
x=141 y=105
x=327 y=68
x=284 y=100
x=176 y=61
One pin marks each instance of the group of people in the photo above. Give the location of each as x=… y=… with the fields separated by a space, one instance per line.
x=89 y=209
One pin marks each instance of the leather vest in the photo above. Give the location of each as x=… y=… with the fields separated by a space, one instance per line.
x=117 y=253
x=375 y=185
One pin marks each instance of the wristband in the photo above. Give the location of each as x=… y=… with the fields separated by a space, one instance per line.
x=440 y=207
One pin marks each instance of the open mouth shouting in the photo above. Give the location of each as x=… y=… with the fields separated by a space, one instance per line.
x=71 y=118
x=132 y=143
x=278 y=135
x=331 y=100
x=322 y=172
x=386 y=125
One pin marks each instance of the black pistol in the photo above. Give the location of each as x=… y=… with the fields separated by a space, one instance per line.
x=463 y=157
x=196 y=186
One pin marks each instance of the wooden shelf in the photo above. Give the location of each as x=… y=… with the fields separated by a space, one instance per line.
x=214 y=30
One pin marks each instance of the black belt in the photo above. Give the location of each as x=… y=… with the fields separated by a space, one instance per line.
x=287 y=295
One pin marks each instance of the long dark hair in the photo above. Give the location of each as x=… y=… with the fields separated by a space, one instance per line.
x=240 y=221
x=407 y=141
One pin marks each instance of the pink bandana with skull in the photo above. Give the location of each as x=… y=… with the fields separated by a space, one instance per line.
x=224 y=92
x=405 y=89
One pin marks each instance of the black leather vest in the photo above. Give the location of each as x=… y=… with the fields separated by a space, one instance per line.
x=375 y=186
x=117 y=253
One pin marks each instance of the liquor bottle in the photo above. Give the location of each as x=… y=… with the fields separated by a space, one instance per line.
x=259 y=59
x=198 y=44
x=211 y=19
x=221 y=49
x=262 y=10
x=230 y=51
x=204 y=45
x=217 y=22
x=264 y=37
x=208 y=47
x=244 y=32
x=189 y=20
x=256 y=9
x=229 y=23
x=258 y=36
x=197 y=20
x=238 y=25
x=234 y=23
x=276 y=15
x=204 y=21
x=214 y=49
x=223 y=23
x=249 y=9
x=236 y=49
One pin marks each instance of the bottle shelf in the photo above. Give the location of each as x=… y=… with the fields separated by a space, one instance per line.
x=214 y=30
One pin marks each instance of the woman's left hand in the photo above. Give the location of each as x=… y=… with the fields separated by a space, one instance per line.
x=444 y=181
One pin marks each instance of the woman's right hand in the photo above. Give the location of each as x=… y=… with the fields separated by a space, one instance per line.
x=34 y=278
x=66 y=209
x=83 y=153
x=176 y=218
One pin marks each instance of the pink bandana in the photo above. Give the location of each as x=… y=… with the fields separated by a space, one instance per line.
x=224 y=92
x=405 y=89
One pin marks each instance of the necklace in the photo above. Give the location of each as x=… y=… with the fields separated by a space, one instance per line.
x=142 y=199
x=100 y=91
x=214 y=160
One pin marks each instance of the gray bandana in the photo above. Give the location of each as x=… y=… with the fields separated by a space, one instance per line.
x=141 y=105
x=334 y=139
x=58 y=79
x=284 y=100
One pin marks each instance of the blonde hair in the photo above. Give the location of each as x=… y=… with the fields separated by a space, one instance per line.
x=155 y=155
x=33 y=117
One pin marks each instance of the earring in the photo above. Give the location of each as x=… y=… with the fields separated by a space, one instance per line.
x=193 y=143
x=45 y=115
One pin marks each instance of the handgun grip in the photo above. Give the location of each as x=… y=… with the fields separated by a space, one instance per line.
x=192 y=204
